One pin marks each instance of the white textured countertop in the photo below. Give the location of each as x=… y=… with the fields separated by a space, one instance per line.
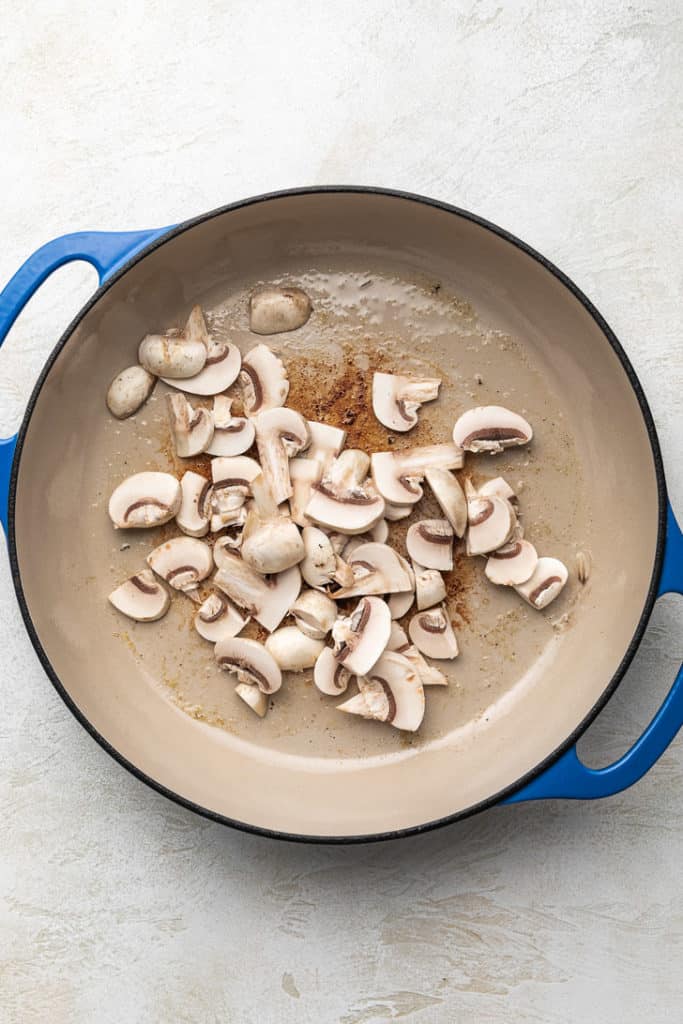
x=557 y=122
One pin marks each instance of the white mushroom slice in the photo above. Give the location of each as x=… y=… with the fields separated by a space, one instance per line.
x=546 y=582
x=280 y=434
x=251 y=695
x=264 y=381
x=349 y=470
x=250 y=662
x=233 y=521
x=430 y=588
x=491 y=523
x=427 y=674
x=222 y=364
x=400 y=603
x=271 y=542
x=393 y=513
x=183 y=562
x=266 y=600
x=326 y=444
x=303 y=473
x=129 y=391
x=192 y=428
x=397 y=475
x=490 y=428
x=232 y=435
x=432 y=634
x=451 y=498
x=398 y=639
x=231 y=478
x=292 y=649
x=195 y=504
x=498 y=488
x=321 y=565
x=343 y=501
x=315 y=613
x=430 y=543
x=174 y=357
x=329 y=676
x=512 y=564
x=377 y=569
x=141 y=597
x=228 y=542
x=218 y=618
x=361 y=638
x=144 y=500
x=396 y=400
x=278 y=310
x=379 y=533
x=392 y=693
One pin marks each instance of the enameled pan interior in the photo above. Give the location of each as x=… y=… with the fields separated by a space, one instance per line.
x=397 y=285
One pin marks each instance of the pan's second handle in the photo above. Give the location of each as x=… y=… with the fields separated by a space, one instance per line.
x=568 y=777
x=105 y=250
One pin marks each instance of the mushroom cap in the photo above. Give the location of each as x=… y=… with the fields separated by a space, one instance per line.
x=329 y=676
x=232 y=435
x=192 y=428
x=292 y=649
x=183 y=562
x=268 y=601
x=401 y=688
x=253 y=697
x=280 y=434
x=400 y=603
x=512 y=564
x=129 y=391
x=264 y=380
x=141 y=597
x=491 y=523
x=361 y=638
x=396 y=399
x=278 y=310
x=545 y=583
x=346 y=511
x=326 y=443
x=220 y=370
x=250 y=662
x=432 y=633
x=430 y=543
x=397 y=474
x=195 y=504
x=392 y=513
x=430 y=588
x=271 y=545
x=315 y=613
x=171 y=358
x=451 y=498
x=377 y=569
x=217 y=618
x=144 y=500
x=490 y=428
x=319 y=563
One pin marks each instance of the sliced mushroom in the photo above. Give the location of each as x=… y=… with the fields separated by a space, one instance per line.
x=278 y=310
x=398 y=639
x=491 y=523
x=231 y=477
x=230 y=542
x=343 y=500
x=321 y=565
x=218 y=618
x=267 y=600
x=392 y=693
x=129 y=391
x=222 y=364
x=264 y=381
x=491 y=428
x=315 y=613
x=377 y=569
x=280 y=434
x=379 y=533
x=430 y=542
x=393 y=513
x=250 y=662
x=192 y=428
x=397 y=475
x=451 y=498
x=271 y=542
x=183 y=562
x=432 y=634
x=232 y=435
x=400 y=603
x=361 y=638
x=293 y=650
x=195 y=504
x=329 y=676
x=498 y=488
x=430 y=588
x=545 y=583
x=174 y=357
x=141 y=597
x=303 y=473
x=251 y=695
x=512 y=564
x=427 y=674
x=396 y=400
x=326 y=443
x=232 y=521
x=144 y=500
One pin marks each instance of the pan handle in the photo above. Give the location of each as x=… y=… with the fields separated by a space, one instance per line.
x=105 y=250
x=568 y=778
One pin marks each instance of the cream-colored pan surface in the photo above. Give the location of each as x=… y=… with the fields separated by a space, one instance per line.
x=396 y=285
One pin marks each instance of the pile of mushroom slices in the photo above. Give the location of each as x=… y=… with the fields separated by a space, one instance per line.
x=305 y=524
